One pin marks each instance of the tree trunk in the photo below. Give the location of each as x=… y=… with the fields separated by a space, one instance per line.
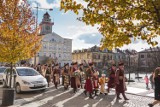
x=11 y=72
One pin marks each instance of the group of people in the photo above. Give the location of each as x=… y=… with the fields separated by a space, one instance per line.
x=86 y=77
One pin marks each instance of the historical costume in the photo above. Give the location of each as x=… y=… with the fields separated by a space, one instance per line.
x=81 y=69
x=56 y=75
x=38 y=68
x=73 y=77
x=102 y=82
x=48 y=74
x=120 y=82
x=112 y=75
x=95 y=81
x=88 y=85
x=66 y=76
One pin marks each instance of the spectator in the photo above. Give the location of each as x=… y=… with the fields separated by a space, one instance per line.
x=152 y=80
x=146 y=81
x=156 y=77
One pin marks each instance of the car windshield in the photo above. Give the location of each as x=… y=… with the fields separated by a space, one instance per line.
x=2 y=70
x=26 y=72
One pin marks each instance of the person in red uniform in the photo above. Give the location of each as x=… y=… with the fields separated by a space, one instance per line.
x=112 y=75
x=73 y=79
x=88 y=85
x=56 y=75
x=120 y=81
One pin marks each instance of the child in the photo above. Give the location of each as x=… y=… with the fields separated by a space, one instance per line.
x=146 y=81
x=102 y=82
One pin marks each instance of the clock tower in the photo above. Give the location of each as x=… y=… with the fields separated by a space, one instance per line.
x=46 y=24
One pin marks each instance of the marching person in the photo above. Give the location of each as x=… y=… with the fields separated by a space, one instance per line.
x=156 y=77
x=112 y=75
x=73 y=78
x=102 y=82
x=120 y=82
x=88 y=85
x=38 y=68
x=65 y=73
x=95 y=81
x=81 y=73
x=56 y=75
x=48 y=73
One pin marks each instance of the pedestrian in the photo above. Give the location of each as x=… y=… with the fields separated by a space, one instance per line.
x=120 y=82
x=88 y=84
x=81 y=69
x=48 y=74
x=65 y=73
x=102 y=82
x=152 y=80
x=146 y=81
x=56 y=75
x=95 y=81
x=156 y=77
x=112 y=75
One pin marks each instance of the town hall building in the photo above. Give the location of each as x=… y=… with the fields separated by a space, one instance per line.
x=53 y=45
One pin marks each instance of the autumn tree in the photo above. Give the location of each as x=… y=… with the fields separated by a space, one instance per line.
x=18 y=36
x=119 y=21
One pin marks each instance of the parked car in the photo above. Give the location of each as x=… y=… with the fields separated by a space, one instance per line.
x=2 y=69
x=27 y=79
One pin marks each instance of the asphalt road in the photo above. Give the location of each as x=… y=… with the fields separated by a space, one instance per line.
x=59 y=98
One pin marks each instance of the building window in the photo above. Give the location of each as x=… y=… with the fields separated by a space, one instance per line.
x=148 y=56
x=142 y=56
x=59 y=55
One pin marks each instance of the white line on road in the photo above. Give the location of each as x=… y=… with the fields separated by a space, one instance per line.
x=86 y=98
x=30 y=99
x=60 y=104
x=87 y=105
x=45 y=100
x=94 y=105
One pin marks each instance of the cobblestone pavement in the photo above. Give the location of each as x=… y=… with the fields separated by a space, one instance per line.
x=60 y=98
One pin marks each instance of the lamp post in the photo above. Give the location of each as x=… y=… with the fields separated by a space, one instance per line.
x=38 y=8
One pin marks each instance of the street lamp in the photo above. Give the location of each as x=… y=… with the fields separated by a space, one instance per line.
x=39 y=8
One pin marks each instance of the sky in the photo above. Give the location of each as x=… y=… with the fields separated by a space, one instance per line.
x=67 y=26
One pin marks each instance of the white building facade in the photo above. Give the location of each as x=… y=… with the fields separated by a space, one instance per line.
x=53 y=45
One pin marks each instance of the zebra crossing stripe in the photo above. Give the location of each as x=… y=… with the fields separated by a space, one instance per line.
x=30 y=99
x=94 y=105
x=60 y=104
x=87 y=105
x=45 y=100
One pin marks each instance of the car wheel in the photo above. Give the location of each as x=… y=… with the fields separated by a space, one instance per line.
x=18 y=89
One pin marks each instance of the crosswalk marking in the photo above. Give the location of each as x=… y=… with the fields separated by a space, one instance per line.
x=60 y=104
x=30 y=99
x=94 y=105
x=86 y=98
x=45 y=100
x=87 y=105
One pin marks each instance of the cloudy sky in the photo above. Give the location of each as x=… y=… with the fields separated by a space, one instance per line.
x=66 y=25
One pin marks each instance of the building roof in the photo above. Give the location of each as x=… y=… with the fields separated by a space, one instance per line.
x=155 y=49
x=46 y=14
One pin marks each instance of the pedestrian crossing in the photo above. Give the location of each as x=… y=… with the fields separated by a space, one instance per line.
x=60 y=98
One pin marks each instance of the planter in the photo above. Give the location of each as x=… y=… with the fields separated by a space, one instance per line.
x=8 y=96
